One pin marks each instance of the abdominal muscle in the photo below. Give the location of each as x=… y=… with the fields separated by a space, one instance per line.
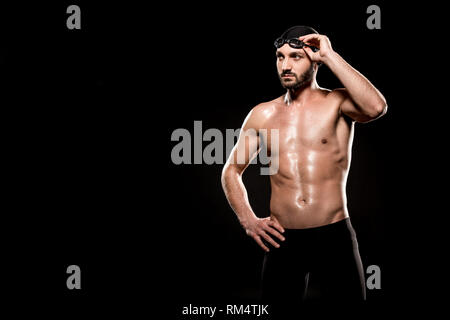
x=308 y=194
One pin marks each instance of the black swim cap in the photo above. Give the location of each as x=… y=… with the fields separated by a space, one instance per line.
x=297 y=31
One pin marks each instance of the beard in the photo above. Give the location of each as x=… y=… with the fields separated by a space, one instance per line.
x=299 y=82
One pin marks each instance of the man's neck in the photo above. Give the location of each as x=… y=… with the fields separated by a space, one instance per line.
x=301 y=95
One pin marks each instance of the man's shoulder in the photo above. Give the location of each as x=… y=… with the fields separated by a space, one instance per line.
x=260 y=113
x=338 y=93
x=268 y=106
x=332 y=97
x=325 y=92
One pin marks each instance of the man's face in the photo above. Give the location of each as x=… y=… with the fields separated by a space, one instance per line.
x=294 y=67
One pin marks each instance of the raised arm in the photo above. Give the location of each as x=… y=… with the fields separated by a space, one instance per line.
x=245 y=150
x=361 y=101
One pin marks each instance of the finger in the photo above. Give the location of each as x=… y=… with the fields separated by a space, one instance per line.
x=270 y=228
x=261 y=244
x=269 y=240
x=276 y=224
x=310 y=37
x=313 y=41
x=275 y=233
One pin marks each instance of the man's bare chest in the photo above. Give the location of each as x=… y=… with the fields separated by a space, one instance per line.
x=296 y=127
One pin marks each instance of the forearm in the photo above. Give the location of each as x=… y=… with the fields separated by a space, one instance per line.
x=236 y=195
x=361 y=90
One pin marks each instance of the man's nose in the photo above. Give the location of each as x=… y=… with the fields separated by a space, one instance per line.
x=286 y=66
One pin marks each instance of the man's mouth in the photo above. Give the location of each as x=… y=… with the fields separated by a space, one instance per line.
x=287 y=76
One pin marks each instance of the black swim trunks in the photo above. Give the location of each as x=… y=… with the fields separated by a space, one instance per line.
x=327 y=254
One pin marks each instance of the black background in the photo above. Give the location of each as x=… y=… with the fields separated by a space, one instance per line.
x=88 y=117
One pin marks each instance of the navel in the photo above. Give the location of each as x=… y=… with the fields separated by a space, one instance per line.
x=324 y=140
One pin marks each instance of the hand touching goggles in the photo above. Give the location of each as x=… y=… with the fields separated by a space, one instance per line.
x=293 y=43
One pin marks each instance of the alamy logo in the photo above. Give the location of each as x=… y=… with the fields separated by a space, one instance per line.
x=374 y=20
x=190 y=150
x=74 y=280
x=374 y=280
x=74 y=20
